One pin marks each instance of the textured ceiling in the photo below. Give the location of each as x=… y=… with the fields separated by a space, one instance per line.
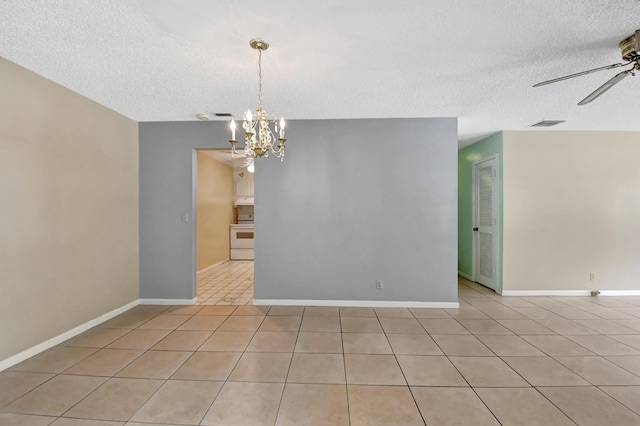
x=166 y=60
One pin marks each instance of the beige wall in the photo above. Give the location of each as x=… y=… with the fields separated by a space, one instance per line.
x=214 y=211
x=68 y=210
x=571 y=207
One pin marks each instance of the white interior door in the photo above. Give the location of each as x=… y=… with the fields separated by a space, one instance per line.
x=485 y=174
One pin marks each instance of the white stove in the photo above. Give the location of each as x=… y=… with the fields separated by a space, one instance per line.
x=241 y=241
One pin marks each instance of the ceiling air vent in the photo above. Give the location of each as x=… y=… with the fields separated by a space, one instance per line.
x=205 y=117
x=547 y=123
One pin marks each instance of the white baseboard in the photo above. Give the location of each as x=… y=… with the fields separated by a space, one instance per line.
x=569 y=292
x=546 y=292
x=463 y=275
x=169 y=301
x=213 y=266
x=619 y=292
x=35 y=350
x=355 y=303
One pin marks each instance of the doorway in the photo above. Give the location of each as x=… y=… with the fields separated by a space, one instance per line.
x=222 y=277
x=486 y=221
x=227 y=283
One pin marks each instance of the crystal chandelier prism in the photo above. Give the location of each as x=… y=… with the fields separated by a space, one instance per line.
x=259 y=139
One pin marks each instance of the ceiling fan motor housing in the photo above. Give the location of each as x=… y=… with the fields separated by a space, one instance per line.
x=630 y=47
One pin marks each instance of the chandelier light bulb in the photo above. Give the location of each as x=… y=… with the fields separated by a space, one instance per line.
x=281 y=127
x=233 y=129
x=251 y=168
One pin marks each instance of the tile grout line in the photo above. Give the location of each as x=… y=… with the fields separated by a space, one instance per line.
x=344 y=363
x=284 y=385
x=459 y=372
x=395 y=356
x=164 y=381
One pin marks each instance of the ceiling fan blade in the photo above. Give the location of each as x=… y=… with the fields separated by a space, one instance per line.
x=608 y=85
x=578 y=74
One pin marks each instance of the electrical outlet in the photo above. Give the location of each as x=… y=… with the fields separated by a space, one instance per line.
x=592 y=276
x=378 y=284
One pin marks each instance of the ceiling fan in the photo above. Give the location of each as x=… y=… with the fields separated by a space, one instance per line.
x=630 y=48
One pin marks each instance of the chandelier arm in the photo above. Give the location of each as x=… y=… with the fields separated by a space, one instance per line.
x=279 y=151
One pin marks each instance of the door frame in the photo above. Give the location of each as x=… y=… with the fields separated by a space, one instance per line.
x=185 y=217
x=498 y=216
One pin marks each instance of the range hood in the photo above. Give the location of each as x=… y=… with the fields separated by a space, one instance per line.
x=244 y=201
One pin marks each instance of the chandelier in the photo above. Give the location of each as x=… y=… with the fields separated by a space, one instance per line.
x=259 y=139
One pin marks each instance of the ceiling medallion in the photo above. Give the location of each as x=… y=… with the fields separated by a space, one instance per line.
x=259 y=139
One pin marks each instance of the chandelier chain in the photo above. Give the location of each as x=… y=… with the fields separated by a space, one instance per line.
x=260 y=79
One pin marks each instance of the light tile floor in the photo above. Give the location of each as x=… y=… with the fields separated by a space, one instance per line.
x=495 y=360
x=230 y=283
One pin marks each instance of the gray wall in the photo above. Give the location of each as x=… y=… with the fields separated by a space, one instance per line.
x=167 y=176
x=354 y=201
